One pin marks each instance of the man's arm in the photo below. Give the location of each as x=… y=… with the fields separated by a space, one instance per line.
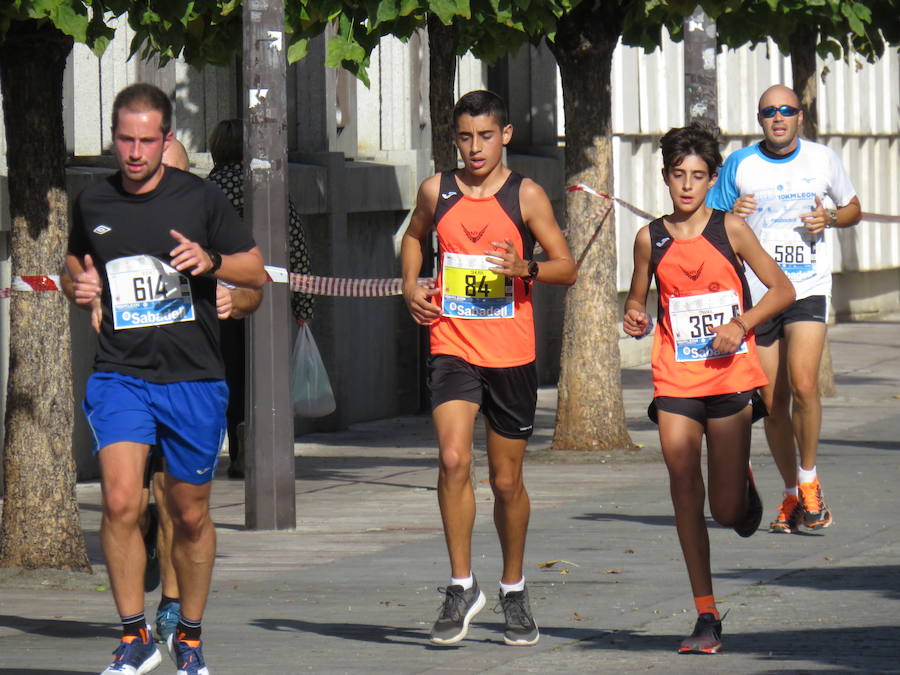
x=236 y=303
x=243 y=269
x=81 y=284
x=845 y=216
x=559 y=268
x=417 y=298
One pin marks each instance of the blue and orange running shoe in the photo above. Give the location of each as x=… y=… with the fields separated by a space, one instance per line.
x=187 y=655
x=135 y=655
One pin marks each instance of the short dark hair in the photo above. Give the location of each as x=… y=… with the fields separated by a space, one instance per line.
x=700 y=137
x=143 y=96
x=481 y=102
x=226 y=142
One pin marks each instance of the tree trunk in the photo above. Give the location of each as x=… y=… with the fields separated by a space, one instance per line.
x=40 y=525
x=806 y=84
x=803 y=70
x=442 y=44
x=590 y=414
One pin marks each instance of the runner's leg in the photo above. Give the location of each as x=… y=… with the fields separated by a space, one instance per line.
x=777 y=397
x=193 y=543
x=680 y=438
x=728 y=457
x=511 y=505
x=122 y=467
x=454 y=422
x=805 y=342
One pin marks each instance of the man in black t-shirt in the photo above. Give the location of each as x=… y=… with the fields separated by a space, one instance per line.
x=146 y=250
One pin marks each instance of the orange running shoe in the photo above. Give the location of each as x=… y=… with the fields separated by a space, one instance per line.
x=789 y=515
x=815 y=514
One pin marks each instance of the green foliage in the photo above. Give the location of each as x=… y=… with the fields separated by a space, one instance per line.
x=843 y=26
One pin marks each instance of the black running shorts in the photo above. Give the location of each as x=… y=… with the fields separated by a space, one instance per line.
x=812 y=308
x=507 y=396
x=702 y=408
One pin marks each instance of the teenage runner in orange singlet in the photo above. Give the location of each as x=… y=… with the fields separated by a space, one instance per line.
x=482 y=346
x=704 y=362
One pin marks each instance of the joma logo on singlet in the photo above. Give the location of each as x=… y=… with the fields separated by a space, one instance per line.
x=693 y=276
x=474 y=236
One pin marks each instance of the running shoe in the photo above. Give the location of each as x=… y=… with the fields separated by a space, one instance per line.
x=706 y=638
x=815 y=514
x=167 y=618
x=134 y=656
x=521 y=630
x=750 y=523
x=788 y=519
x=457 y=611
x=151 y=571
x=187 y=655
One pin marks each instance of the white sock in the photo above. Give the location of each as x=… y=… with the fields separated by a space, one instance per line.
x=465 y=582
x=509 y=588
x=792 y=492
x=806 y=475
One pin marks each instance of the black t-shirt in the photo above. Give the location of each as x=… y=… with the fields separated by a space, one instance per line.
x=158 y=324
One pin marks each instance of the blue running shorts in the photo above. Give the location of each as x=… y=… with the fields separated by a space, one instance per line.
x=185 y=420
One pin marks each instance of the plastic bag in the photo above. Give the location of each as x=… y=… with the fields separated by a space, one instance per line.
x=310 y=386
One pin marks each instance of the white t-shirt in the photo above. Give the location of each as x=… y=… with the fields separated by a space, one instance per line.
x=785 y=189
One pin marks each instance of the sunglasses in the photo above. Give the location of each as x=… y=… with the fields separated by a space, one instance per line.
x=786 y=111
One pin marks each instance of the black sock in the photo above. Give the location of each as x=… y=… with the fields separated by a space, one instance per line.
x=135 y=624
x=187 y=629
x=165 y=600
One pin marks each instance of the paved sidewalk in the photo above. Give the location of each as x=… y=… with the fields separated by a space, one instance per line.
x=353 y=588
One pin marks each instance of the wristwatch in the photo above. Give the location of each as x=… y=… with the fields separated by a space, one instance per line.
x=532 y=270
x=215 y=258
x=832 y=218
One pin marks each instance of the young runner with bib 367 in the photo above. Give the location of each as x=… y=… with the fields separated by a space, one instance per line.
x=482 y=346
x=705 y=368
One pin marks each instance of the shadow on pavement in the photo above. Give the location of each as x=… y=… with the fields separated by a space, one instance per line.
x=43 y=671
x=665 y=521
x=850 y=443
x=362 y=632
x=883 y=579
x=842 y=647
x=61 y=629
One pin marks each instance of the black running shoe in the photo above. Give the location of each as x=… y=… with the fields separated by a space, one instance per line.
x=521 y=630
x=151 y=571
x=457 y=611
x=706 y=638
x=750 y=523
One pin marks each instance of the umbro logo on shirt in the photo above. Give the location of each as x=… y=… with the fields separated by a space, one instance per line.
x=447 y=195
x=662 y=242
x=101 y=229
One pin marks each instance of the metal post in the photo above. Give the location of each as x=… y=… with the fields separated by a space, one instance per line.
x=269 y=487
x=700 y=67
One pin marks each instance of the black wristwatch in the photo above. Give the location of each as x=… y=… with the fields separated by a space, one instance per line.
x=532 y=270
x=215 y=258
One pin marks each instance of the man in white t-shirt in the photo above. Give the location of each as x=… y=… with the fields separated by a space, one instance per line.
x=790 y=191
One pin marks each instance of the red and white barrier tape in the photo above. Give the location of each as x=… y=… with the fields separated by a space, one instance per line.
x=350 y=288
x=33 y=282
x=640 y=213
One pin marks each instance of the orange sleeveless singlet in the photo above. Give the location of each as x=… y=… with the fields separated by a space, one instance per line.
x=701 y=284
x=486 y=319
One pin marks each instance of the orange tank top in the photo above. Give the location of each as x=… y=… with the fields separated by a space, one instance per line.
x=701 y=285
x=486 y=318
